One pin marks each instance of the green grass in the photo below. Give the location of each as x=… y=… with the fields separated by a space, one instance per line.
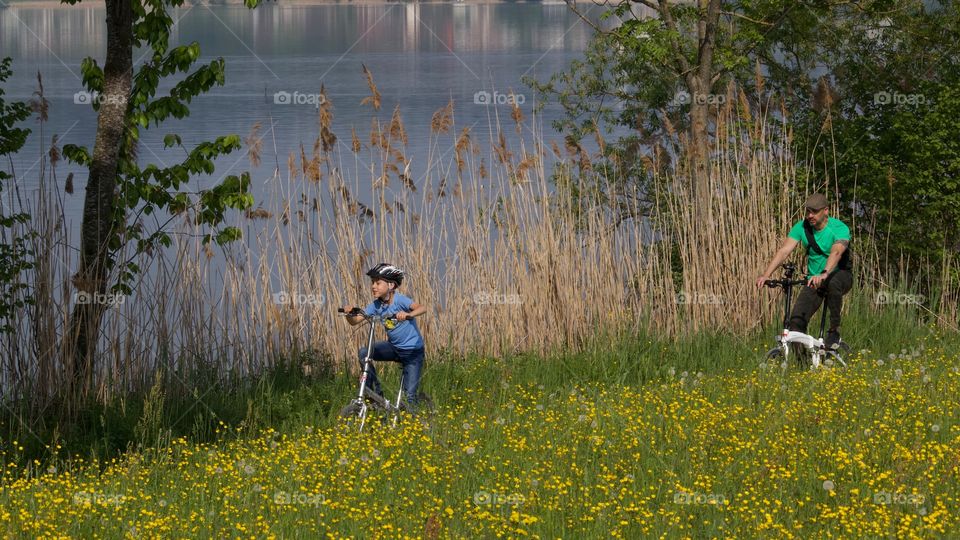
x=633 y=437
x=284 y=398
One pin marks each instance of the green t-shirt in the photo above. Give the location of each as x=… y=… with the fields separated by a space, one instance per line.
x=826 y=237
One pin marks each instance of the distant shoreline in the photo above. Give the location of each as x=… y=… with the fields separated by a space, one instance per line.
x=187 y=3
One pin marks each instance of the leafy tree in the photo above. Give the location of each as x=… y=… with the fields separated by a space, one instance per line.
x=666 y=66
x=659 y=73
x=15 y=253
x=126 y=102
x=883 y=122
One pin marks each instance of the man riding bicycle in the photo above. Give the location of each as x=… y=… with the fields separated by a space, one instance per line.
x=829 y=265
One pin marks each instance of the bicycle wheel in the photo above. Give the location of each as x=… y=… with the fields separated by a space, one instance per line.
x=352 y=416
x=355 y=416
x=423 y=411
x=802 y=356
x=424 y=403
x=775 y=355
x=838 y=353
x=351 y=409
x=375 y=399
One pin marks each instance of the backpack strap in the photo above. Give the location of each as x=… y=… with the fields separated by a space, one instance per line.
x=811 y=241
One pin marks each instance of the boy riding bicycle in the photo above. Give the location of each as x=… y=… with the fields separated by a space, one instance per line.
x=404 y=342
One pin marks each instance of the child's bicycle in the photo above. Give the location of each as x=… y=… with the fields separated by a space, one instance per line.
x=809 y=351
x=368 y=403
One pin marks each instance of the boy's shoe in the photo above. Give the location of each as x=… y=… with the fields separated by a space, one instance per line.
x=833 y=339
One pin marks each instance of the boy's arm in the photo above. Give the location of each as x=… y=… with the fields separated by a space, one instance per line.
x=352 y=319
x=415 y=311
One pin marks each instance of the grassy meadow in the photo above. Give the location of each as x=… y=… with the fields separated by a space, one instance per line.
x=597 y=368
x=633 y=437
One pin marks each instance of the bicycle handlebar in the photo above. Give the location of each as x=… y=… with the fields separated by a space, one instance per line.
x=357 y=312
x=774 y=283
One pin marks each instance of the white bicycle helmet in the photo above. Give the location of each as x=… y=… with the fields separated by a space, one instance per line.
x=386 y=272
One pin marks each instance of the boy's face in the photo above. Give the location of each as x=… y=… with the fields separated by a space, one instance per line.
x=380 y=287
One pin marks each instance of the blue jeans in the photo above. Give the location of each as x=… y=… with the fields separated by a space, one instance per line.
x=411 y=360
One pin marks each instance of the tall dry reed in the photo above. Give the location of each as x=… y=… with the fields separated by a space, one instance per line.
x=505 y=260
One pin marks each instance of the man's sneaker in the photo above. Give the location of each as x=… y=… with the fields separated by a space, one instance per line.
x=833 y=339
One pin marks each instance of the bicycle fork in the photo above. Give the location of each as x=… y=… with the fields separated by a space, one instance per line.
x=363 y=379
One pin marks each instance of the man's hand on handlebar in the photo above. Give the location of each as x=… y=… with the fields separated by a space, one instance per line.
x=817 y=280
x=762 y=281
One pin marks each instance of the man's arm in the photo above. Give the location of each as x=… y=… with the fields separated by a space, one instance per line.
x=781 y=255
x=836 y=251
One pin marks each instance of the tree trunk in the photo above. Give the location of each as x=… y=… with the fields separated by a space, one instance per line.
x=698 y=78
x=701 y=81
x=100 y=199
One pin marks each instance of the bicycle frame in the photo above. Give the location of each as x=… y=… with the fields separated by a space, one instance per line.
x=363 y=395
x=814 y=346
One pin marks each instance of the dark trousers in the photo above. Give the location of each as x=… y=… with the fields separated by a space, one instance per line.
x=411 y=360
x=808 y=301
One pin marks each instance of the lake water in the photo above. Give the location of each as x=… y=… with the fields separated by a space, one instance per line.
x=421 y=56
x=277 y=57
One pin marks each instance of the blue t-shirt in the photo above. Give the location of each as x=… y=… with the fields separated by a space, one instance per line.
x=402 y=334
